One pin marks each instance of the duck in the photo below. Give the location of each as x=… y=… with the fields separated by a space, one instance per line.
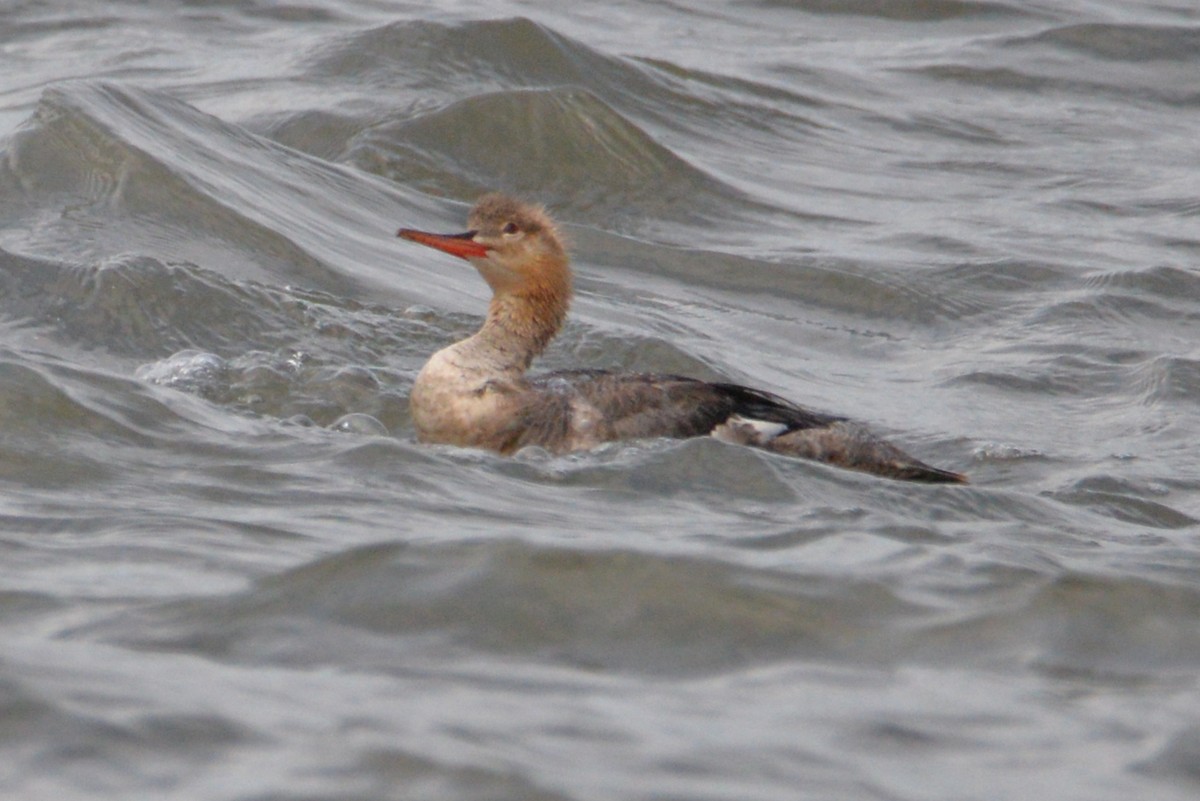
x=479 y=392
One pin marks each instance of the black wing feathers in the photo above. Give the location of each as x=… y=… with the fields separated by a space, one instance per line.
x=642 y=405
x=650 y=405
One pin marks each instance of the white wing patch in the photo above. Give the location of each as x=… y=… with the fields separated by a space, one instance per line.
x=740 y=430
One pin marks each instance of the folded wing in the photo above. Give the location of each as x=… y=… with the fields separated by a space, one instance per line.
x=582 y=408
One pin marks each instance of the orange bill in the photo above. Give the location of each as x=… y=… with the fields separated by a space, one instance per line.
x=462 y=245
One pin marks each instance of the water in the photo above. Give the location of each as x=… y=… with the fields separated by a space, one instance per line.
x=229 y=573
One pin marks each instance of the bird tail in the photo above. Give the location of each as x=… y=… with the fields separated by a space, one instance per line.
x=841 y=443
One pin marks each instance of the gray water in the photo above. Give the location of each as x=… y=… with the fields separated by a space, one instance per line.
x=227 y=571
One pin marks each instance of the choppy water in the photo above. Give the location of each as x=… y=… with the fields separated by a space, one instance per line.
x=228 y=572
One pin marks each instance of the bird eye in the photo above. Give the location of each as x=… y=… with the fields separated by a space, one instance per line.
x=511 y=228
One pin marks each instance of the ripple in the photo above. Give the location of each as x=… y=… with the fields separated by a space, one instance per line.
x=1158 y=281
x=359 y=423
x=111 y=146
x=503 y=52
x=902 y=10
x=1084 y=626
x=606 y=165
x=1126 y=41
x=1169 y=378
x=1126 y=501
x=137 y=306
x=441 y=63
x=1179 y=757
x=871 y=291
x=595 y=610
x=189 y=371
x=502 y=99
x=143 y=172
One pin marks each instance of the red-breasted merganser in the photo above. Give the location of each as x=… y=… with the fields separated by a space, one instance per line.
x=476 y=393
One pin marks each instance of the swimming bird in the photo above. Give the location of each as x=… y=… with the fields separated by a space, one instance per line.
x=478 y=393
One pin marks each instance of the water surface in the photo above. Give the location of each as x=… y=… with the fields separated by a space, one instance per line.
x=230 y=573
